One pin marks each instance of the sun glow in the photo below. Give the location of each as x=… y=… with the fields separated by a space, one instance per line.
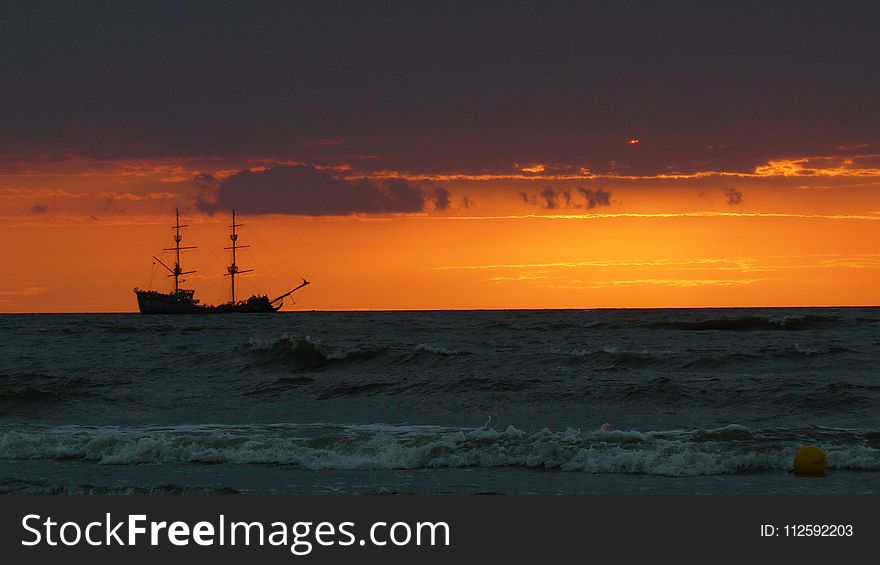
x=537 y=168
x=82 y=234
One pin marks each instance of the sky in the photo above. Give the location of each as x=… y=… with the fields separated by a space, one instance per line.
x=427 y=155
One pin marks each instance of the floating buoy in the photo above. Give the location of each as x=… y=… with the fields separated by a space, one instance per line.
x=810 y=461
x=606 y=427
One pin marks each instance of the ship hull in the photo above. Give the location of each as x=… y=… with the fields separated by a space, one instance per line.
x=182 y=302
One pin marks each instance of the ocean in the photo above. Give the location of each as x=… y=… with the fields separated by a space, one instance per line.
x=679 y=401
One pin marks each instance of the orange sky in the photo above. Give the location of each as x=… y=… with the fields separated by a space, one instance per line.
x=470 y=155
x=79 y=234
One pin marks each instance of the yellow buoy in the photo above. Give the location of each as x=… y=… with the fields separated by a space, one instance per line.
x=810 y=461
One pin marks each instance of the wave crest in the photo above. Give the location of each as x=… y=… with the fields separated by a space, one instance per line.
x=303 y=353
x=732 y=449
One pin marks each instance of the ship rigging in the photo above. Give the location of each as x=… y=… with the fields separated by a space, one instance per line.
x=183 y=301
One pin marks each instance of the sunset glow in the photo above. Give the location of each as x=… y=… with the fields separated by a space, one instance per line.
x=392 y=183
x=84 y=232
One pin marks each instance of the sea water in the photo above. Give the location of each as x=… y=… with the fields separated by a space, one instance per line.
x=553 y=401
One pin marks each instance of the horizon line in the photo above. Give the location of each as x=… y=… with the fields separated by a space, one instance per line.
x=390 y=310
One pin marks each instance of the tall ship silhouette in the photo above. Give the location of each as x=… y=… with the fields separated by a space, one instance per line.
x=182 y=301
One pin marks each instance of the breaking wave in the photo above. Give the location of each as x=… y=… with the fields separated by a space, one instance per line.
x=303 y=353
x=731 y=449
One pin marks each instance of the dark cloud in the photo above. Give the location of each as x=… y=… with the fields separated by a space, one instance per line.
x=205 y=179
x=39 y=209
x=300 y=190
x=206 y=200
x=566 y=194
x=113 y=80
x=598 y=197
x=733 y=195
x=442 y=199
x=550 y=198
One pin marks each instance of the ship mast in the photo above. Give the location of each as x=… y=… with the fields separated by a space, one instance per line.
x=178 y=271
x=232 y=270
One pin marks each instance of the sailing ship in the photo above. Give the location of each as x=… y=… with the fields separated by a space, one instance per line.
x=183 y=301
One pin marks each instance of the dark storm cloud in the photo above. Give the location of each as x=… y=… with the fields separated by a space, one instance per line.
x=598 y=197
x=306 y=191
x=550 y=198
x=442 y=199
x=497 y=83
x=733 y=196
x=566 y=194
x=37 y=209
